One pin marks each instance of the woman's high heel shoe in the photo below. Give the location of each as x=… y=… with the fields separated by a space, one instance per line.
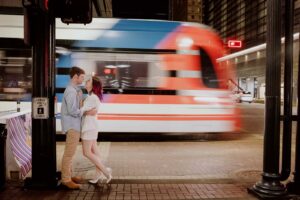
x=109 y=178
x=96 y=180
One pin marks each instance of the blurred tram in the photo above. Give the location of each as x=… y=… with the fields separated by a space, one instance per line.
x=158 y=76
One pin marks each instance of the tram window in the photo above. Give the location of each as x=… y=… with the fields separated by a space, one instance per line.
x=121 y=74
x=209 y=76
x=127 y=74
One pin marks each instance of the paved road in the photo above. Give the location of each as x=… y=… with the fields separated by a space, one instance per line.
x=252 y=117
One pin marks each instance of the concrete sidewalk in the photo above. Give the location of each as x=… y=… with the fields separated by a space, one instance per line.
x=229 y=159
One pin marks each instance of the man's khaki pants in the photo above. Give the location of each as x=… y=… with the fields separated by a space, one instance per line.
x=72 y=140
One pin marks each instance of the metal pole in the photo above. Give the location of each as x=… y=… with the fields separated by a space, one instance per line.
x=294 y=186
x=3 y=135
x=288 y=91
x=44 y=130
x=270 y=186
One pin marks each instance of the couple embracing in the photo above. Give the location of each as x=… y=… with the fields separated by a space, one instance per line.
x=78 y=119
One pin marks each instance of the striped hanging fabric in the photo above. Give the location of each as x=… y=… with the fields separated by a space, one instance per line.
x=17 y=129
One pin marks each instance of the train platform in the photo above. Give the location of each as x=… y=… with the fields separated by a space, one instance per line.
x=201 y=169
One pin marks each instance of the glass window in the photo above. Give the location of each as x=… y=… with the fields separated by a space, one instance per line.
x=209 y=76
x=125 y=74
x=120 y=72
x=15 y=74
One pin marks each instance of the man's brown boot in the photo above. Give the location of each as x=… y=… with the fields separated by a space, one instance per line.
x=71 y=185
x=77 y=179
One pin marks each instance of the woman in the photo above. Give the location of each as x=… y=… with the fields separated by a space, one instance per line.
x=89 y=131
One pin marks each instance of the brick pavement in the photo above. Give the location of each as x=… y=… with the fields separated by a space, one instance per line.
x=134 y=191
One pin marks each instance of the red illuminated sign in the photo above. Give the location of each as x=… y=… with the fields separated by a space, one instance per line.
x=107 y=71
x=46 y=3
x=234 y=43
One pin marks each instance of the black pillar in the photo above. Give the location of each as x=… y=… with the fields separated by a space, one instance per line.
x=288 y=91
x=43 y=85
x=3 y=135
x=270 y=186
x=294 y=186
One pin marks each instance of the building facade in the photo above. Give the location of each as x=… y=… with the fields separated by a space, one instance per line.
x=242 y=20
x=247 y=21
x=237 y=19
x=186 y=10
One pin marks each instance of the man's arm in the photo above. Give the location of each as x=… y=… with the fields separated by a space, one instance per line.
x=89 y=108
x=72 y=104
x=91 y=112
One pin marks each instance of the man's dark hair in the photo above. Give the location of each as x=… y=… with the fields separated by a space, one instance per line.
x=76 y=70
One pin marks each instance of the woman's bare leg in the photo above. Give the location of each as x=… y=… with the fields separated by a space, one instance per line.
x=95 y=149
x=87 y=152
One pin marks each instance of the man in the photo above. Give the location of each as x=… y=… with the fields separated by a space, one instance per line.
x=71 y=121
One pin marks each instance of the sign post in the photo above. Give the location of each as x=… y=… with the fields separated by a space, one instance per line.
x=40 y=108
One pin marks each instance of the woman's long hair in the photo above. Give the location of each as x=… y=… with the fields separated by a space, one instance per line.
x=97 y=87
